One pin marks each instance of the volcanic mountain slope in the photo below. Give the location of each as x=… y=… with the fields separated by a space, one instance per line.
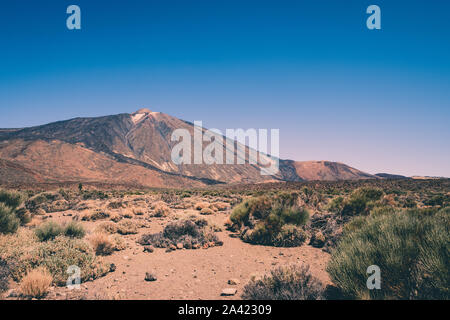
x=326 y=170
x=132 y=149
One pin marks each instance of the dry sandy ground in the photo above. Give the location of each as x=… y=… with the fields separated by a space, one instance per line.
x=186 y=274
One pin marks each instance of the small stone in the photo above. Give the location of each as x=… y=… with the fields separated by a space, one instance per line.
x=150 y=276
x=12 y=294
x=148 y=249
x=228 y=292
x=179 y=245
x=233 y=282
x=112 y=267
x=172 y=247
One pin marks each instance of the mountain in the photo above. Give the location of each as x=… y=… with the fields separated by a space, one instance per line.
x=326 y=170
x=390 y=176
x=135 y=149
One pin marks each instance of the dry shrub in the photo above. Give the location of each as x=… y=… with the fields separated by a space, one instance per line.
x=102 y=243
x=201 y=205
x=116 y=205
x=119 y=243
x=125 y=227
x=192 y=233
x=285 y=283
x=24 y=252
x=139 y=211
x=206 y=211
x=127 y=213
x=160 y=209
x=36 y=283
x=115 y=217
x=95 y=215
x=106 y=227
x=221 y=206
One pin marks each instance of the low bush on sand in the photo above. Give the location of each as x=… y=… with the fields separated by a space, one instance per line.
x=160 y=209
x=74 y=230
x=125 y=227
x=274 y=221
x=48 y=231
x=361 y=201
x=10 y=216
x=23 y=251
x=102 y=243
x=4 y=275
x=9 y=222
x=36 y=283
x=410 y=248
x=285 y=283
x=191 y=233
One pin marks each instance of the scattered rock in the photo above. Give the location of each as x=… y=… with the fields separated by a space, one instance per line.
x=179 y=245
x=149 y=249
x=112 y=267
x=228 y=292
x=150 y=276
x=317 y=240
x=233 y=282
x=12 y=294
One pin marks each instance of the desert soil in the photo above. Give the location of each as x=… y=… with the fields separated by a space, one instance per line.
x=185 y=274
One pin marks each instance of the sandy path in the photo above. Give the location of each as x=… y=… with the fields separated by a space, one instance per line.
x=190 y=274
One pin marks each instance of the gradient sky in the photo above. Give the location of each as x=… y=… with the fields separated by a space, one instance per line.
x=376 y=100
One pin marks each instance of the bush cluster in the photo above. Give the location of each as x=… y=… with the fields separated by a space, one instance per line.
x=10 y=219
x=285 y=283
x=50 y=230
x=192 y=233
x=411 y=248
x=274 y=221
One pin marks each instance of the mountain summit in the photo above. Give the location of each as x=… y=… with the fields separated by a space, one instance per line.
x=131 y=149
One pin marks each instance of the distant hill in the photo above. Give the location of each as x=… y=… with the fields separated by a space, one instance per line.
x=390 y=176
x=133 y=149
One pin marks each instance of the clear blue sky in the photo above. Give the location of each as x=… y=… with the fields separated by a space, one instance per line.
x=376 y=100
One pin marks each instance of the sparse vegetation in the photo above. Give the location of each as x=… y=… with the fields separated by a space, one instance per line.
x=274 y=221
x=36 y=283
x=191 y=233
x=102 y=243
x=8 y=220
x=23 y=251
x=411 y=248
x=48 y=231
x=74 y=230
x=285 y=283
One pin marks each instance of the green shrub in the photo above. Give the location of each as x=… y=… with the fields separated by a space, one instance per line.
x=411 y=249
x=62 y=252
x=191 y=233
x=8 y=220
x=48 y=231
x=285 y=283
x=361 y=201
x=11 y=199
x=74 y=230
x=271 y=221
x=336 y=205
x=24 y=252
